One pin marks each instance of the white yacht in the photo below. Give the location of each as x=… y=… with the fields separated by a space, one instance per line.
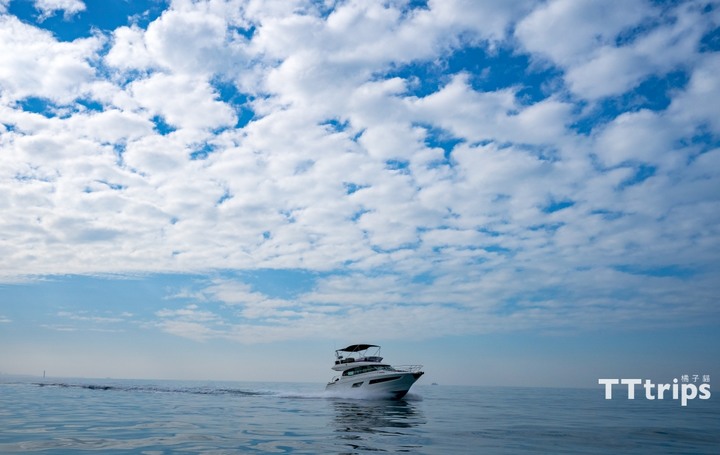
x=365 y=375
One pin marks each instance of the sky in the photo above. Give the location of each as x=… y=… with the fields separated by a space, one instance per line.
x=508 y=192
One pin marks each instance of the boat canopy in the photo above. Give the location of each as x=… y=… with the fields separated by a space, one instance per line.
x=358 y=347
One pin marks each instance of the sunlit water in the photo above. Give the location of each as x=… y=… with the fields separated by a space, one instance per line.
x=161 y=417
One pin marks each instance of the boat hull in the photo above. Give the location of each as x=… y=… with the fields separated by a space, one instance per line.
x=390 y=385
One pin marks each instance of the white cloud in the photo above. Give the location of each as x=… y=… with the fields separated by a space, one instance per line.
x=323 y=312
x=567 y=31
x=111 y=126
x=50 y=7
x=185 y=326
x=493 y=115
x=183 y=101
x=608 y=48
x=196 y=39
x=90 y=321
x=490 y=20
x=696 y=105
x=129 y=50
x=33 y=63
x=253 y=304
x=642 y=136
x=85 y=317
x=135 y=164
x=195 y=43
x=613 y=70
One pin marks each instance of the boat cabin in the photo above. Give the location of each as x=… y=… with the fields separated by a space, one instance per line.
x=366 y=369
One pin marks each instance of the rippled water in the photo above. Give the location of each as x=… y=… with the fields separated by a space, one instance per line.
x=160 y=417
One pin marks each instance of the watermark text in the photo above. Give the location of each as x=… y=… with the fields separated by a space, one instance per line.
x=683 y=391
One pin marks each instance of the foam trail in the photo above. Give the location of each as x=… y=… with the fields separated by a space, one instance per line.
x=157 y=389
x=361 y=394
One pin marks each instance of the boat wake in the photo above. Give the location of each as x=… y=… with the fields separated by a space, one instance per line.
x=158 y=389
x=366 y=395
x=222 y=390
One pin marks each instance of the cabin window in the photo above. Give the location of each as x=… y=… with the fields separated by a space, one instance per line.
x=385 y=379
x=366 y=369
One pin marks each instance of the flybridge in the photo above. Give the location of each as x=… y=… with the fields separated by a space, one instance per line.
x=358 y=348
x=358 y=353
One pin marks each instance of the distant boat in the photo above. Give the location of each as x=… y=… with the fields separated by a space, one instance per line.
x=365 y=375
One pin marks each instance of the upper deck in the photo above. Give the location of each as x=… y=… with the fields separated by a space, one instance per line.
x=356 y=355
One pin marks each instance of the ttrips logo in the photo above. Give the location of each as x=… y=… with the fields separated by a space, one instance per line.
x=684 y=391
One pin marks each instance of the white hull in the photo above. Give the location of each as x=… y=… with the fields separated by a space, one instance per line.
x=390 y=384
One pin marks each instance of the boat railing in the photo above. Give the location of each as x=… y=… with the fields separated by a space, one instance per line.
x=370 y=358
x=408 y=368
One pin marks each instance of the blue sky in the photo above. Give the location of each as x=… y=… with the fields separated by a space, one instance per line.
x=518 y=193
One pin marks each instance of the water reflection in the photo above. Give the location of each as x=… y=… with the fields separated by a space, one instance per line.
x=367 y=425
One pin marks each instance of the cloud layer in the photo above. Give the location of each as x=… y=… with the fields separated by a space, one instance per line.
x=384 y=146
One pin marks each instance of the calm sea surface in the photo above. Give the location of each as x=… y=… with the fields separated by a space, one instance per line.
x=159 y=417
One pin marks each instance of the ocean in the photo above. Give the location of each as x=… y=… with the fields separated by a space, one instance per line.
x=68 y=416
